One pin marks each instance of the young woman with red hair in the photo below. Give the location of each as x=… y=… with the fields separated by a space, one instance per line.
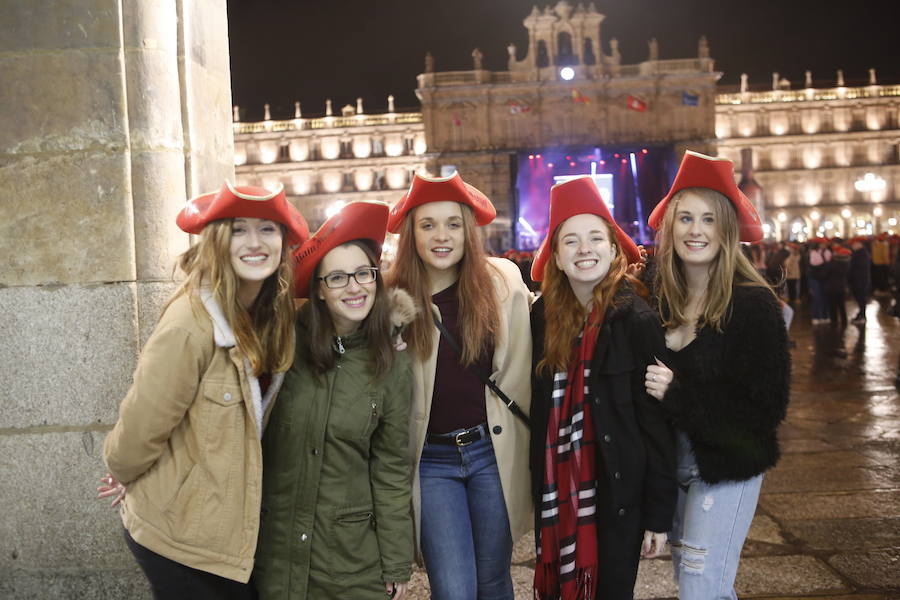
x=602 y=453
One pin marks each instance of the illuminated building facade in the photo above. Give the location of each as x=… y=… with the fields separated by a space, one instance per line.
x=826 y=158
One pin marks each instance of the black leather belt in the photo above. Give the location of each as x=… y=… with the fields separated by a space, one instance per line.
x=463 y=438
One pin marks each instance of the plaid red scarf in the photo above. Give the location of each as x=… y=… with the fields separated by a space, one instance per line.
x=567 y=536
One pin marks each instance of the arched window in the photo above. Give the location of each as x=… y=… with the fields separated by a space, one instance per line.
x=543 y=60
x=588 y=57
x=564 y=54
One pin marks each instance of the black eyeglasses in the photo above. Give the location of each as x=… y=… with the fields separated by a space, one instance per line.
x=339 y=279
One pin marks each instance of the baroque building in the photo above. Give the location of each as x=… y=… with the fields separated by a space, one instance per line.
x=826 y=157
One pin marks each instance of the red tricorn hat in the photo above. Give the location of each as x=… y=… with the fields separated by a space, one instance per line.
x=245 y=201
x=699 y=170
x=577 y=197
x=365 y=220
x=423 y=190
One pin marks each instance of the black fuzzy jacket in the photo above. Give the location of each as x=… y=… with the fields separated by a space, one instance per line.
x=731 y=388
x=635 y=443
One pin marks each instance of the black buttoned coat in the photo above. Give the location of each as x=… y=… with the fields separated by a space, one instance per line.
x=635 y=443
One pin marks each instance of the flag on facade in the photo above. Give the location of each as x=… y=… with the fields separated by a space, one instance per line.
x=635 y=103
x=579 y=97
x=689 y=99
x=516 y=108
x=456 y=120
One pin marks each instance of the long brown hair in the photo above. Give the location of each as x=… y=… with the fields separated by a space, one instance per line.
x=478 y=304
x=376 y=327
x=564 y=315
x=265 y=332
x=730 y=266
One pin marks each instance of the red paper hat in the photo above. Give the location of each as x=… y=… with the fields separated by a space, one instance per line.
x=423 y=190
x=841 y=251
x=577 y=197
x=365 y=220
x=245 y=201
x=818 y=240
x=699 y=170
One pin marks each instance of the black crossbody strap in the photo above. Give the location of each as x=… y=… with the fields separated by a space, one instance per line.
x=509 y=402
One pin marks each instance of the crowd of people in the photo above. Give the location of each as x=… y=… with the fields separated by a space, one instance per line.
x=823 y=272
x=303 y=424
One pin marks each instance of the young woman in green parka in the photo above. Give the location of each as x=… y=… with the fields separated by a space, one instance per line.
x=336 y=520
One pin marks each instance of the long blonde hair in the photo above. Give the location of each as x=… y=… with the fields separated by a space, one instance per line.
x=564 y=314
x=730 y=267
x=478 y=307
x=265 y=333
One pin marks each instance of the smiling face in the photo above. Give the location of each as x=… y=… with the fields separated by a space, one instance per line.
x=255 y=249
x=349 y=305
x=695 y=232
x=584 y=252
x=440 y=236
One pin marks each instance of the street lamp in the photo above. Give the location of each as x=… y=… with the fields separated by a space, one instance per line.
x=870 y=182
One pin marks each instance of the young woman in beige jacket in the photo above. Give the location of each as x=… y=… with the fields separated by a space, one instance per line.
x=469 y=450
x=187 y=442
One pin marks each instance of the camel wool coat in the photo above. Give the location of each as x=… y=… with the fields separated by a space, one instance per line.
x=511 y=370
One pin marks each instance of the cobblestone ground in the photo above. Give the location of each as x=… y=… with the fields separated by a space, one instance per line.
x=828 y=521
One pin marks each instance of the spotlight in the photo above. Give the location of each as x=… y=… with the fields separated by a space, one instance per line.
x=567 y=73
x=550 y=165
x=602 y=162
x=531 y=157
x=644 y=151
x=624 y=160
x=615 y=156
x=537 y=155
x=572 y=163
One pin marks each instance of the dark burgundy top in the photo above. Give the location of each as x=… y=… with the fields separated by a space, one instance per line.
x=458 y=398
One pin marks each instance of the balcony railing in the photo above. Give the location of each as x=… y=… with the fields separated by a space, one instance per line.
x=810 y=95
x=328 y=123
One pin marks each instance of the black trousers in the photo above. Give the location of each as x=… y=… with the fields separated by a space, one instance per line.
x=170 y=580
x=861 y=295
x=793 y=286
x=836 y=308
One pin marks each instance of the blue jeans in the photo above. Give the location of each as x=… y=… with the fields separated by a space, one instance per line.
x=710 y=525
x=819 y=302
x=466 y=541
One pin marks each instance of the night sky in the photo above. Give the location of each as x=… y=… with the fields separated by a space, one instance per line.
x=310 y=50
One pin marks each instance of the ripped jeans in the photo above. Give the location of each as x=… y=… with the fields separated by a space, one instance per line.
x=710 y=525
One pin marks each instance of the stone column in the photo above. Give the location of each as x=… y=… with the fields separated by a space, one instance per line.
x=111 y=115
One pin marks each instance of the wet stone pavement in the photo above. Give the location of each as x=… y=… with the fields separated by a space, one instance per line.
x=828 y=521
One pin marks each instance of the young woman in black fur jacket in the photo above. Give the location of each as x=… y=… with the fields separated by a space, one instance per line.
x=728 y=348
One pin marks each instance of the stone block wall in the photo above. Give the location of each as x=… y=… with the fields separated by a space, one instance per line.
x=112 y=114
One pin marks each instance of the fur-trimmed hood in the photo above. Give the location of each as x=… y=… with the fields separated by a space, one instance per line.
x=224 y=337
x=403 y=309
